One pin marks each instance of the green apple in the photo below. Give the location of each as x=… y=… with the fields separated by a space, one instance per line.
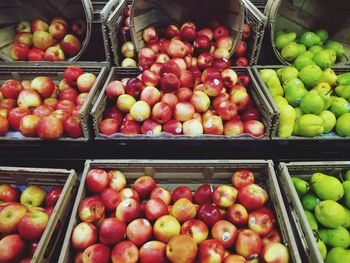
x=33 y=196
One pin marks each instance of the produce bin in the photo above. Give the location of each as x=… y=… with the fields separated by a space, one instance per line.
x=260 y=4
x=192 y=173
x=51 y=240
x=300 y=16
x=14 y=11
x=118 y=73
x=293 y=204
x=23 y=71
x=256 y=69
x=163 y=12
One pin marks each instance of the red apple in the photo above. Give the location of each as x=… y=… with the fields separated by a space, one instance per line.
x=205 y=60
x=79 y=27
x=220 y=98
x=97 y=253
x=66 y=105
x=225 y=42
x=32 y=225
x=162 y=194
x=10 y=216
x=19 y=51
x=229 y=77
x=181 y=192
x=44 y=85
x=220 y=31
x=52 y=196
x=114 y=89
x=144 y=186
x=243 y=80
x=209 y=214
x=183 y=210
x=233 y=127
x=63 y=115
x=242 y=178
x=204 y=194
x=171 y=31
x=155 y=208
x=125 y=251
x=70 y=45
x=156 y=68
x=252 y=196
x=184 y=111
x=225 y=232
x=24 y=38
x=275 y=252
x=91 y=209
x=237 y=215
x=128 y=210
x=86 y=81
x=54 y=53
x=130 y=128
x=170 y=99
x=36 y=54
x=134 y=86
x=12 y=248
x=234 y=258
x=213 y=125
x=117 y=180
x=147 y=53
x=202 y=43
x=16 y=115
x=72 y=127
x=211 y=250
x=221 y=64
x=149 y=78
x=96 y=180
x=195 y=229
x=221 y=53
x=113 y=113
x=9 y=193
x=38 y=24
x=110 y=198
x=154 y=46
x=227 y=110
x=43 y=110
x=171 y=67
x=81 y=99
x=151 y=95
x=139 y=231
x=255 y=128
x=71 y=74
x=129 y=193
x=28 y=125
x=184 y=94
x=169 y=83
x=273 y=237
x=51 y=102
x=161 y=59
x=50 y=128
x=246 y=31
x=260 y=222
x=151 y=128
x=242 y=62
x=213 y=87
x=42 y=40
x=200 y=101
x=248 y=244
x=69 y=94
x=241 y=49
x=109 y=126
x=11 y=89
x=9 y=104
x=224 y=196
x=153 y=251
x=149 y=34
x=58 y=30
x=206 y=32
x=112 y=231
x=176 y=48
x=250 y=114
x=188 y=33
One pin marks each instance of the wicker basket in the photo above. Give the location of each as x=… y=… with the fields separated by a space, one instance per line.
x=162 y=12
x=13 y=11
x=306 y=15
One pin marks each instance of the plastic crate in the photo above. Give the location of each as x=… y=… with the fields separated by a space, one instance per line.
x=192 y=173
x=49 y=243
x=304 y=170
x=118 y=73
x=24 y=70
x=260 y=4
x=98 y=7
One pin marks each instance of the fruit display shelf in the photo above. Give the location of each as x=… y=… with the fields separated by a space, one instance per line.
x=51 y=239
x=304 y=234
x=192 y=173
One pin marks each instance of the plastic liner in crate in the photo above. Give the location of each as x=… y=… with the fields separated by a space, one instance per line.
x=27 y=71
x=257 y=21
x=264 y=89
x=49 y=243
x=118 y=73
x=310 y=15
x=162 y=12
x=192 y=173
x=14 y=11
x=304 y=171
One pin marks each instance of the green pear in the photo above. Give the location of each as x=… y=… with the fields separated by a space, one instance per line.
x=322 y=248
x=309 y=39
x=274 y=86
x=326 y=187
x=283 y=39
x=280 y=100
x=342 y=127
x=337 y=47
x=344 y=79
x=266 y=74
x=339 y=106
x=302 y=61
x=325 y=58
x=310 y=75
x=296 y=128
x=322 y=34
x=329 y=76
x=312 y=220
x=301 y=49
x=278 y=33
x=309 y=125
x=346 y=186
x=324 y=90
x=347 y=176
x=315 y=49
x=310 y=201
x=338 y=237
x=347 y=222
x=308 y=54
x=298 y=112
x=329 y=120
x=286 y=121
x=287 y=73
x=300 y=185
x=312 y=103
x=330 y=214
x=294 y=91
x=343 y=91
x=337 y=255
x=290 y=51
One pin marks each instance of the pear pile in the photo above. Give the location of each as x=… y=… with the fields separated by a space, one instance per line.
x=310 y=48
x=311 y=101
x=326 y=203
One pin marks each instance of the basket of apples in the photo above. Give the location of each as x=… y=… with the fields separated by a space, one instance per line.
x=179 y=211
x=44 y=30
x=34 y=208
x=47 y=102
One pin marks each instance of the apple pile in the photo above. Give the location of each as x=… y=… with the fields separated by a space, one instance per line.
x=38 y=41
x=147 y=223
x=38 y=107
x=240 y=55
x=23 y=219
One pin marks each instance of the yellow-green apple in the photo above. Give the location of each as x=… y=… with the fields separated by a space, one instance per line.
x=19 y=51
x=42 y=40
x=204 y=194
x=10 y=216
x=70 y=45
x=224 y=196
x=155 y=208
x=129 y=63
x=110 y=198
x=71 y=74
x=181 y=248
x=200 y=101
x=254 y=127
x=181 y=192
x=162 y=58
x=91 y=209
x=125 y=251
x=234 y=258
x=24 y=38
x=140 y=111
x=153 y=251
x=202 y=43
x=173 y=127
x=62 y=115
x=229 y=77
x=44 y=85
x=129 y=193
x=81 y=98
x=221 y=53
x=117 y=180
x=170 y=99
x=51 y=102
x=9 y=193
x=181 y=63
x=4 y=112
x=114 y=89
x=209 y=214
x=184 y=94
x=85 y=82
x=240 y=98
x=144 y=185
x=125 y=102
x=183 y=210
x=252 y=197
x=4 y=125
x=111 y=231
x=151 y=95
x=227 y=110
x=96 y=253
x=233 y=127
x=205 y=60
x=248 y=244
x=54 y=53
x=96 y=180
x=149 y=34
x=184 y=111
x=242 y=178
x=188 y=33
x=33 y=196
x=169 y=83
x=32 y=225
x=196 y=229
x=212 y=251
x=58 y=30
x=36 y=54
x=84 y=234
x=161 y=193
x=128 y=49
x=176 y=48
x=260 y=222
x=237 y=215
x=275 y=252
x=225 y=42
x=28 y=125
x=79 y=27
x=165 y=228
x=23 y=26
x=128 y=210
x=171 y=31
x=213 y=125
x=12 y=248
x=38 y=24
x=16 y=115
x=139 y=231
x=225 y=232
x=161 y=112
x=134 y=87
